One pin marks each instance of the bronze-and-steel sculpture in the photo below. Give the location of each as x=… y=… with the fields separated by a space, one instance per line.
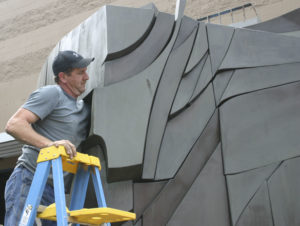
x=197 y=124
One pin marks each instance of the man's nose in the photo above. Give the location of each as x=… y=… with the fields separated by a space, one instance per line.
x=86 y=77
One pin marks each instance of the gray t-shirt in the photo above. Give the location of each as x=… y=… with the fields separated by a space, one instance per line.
x=62 y=117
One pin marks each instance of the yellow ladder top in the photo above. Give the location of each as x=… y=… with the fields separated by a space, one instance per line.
x=69 y=165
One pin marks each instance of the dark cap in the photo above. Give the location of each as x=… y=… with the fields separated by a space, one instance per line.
x=68 y=59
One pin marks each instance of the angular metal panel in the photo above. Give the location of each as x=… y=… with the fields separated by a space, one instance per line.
x=187 y=27
x=219 y=39
x=258 y=212
x=186 y=87
x=129 y=23
x=243 y=186
x=163 y=102
x=258 y=127
x=206 y=201
x=162 y=208
x=251 y=79
x=140 y=58
x=125 y=138
x=122 y=111
x=144 y=194
x=182 y=132
x=204 y=79
x=257 y=48
x=285 y=23
x=199 y=49
x=220 y=82
x=284 y=187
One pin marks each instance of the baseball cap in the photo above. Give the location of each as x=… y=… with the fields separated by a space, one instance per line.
x=68 y=59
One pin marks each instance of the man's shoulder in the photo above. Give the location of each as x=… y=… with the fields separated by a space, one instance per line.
x=49 y=88
x=49 y=91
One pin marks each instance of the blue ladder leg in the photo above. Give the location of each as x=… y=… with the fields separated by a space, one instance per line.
x=99 y=189
x=35 y=193
x=80 y=188
x=59 y=191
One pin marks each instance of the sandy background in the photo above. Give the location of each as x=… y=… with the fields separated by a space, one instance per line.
x=30 y=29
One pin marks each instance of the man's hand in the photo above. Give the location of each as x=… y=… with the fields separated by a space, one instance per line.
x=70 y=148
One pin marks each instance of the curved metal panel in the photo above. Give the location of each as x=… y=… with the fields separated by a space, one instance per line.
x=219 y=39
x=163 y=100
x=186 y=87
x=199 y=49
x=126 y=28
x=136 y=61
x=181 y=134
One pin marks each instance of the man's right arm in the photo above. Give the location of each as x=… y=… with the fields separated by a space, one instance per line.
x=19 y=126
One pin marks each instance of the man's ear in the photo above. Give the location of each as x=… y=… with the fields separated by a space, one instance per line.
x=61 y=76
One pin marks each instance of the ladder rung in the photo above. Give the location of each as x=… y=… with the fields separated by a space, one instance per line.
x=89 y=216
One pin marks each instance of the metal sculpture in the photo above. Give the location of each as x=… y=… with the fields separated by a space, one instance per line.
x=196 y=123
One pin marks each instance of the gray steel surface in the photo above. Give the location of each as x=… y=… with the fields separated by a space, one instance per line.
x=243 y=186
x=166 y=90
x=221 y=81
x=187 y=27
x=252 y=124
x=173 y=98
x=251 y=48
x=164 y=205
x=219 y=39
x=124 y=189
x=144 y=194
x=252 y=79
x=258 y=211
x=181 y=134
x=126 y=28
x=186 y=87
x=140 y=58
x=203 y=80
x=206 y=202
x=284 y=186
x=199 y=49
x=286 y=23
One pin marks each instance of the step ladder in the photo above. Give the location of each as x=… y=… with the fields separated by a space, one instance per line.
x=83 y=166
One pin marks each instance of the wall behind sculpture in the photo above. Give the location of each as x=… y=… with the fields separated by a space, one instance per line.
x=30 y=29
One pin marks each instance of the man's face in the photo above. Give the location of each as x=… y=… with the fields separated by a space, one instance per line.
x=75 y=81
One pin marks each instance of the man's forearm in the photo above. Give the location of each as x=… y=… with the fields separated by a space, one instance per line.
x=22 y=130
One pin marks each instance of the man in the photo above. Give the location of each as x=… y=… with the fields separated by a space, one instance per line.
x=51 y=116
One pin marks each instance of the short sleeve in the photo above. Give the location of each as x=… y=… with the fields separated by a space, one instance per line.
x=42 y=101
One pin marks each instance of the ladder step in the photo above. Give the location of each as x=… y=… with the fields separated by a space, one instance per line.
x=88 y=216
